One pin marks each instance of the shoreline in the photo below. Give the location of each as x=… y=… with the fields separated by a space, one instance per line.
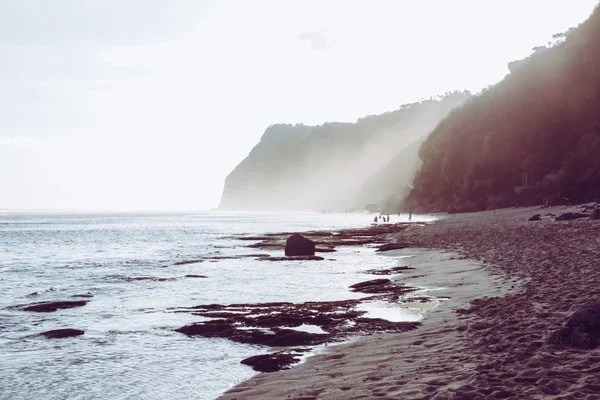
x=291 y=329
x=498 y=347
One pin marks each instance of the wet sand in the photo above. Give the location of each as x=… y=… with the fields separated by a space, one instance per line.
x=535 y=274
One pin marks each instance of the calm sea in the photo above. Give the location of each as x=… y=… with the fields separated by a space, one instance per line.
x=129 y=349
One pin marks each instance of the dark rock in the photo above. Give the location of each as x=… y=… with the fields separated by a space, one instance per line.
x=61 y=333
x=235 y=257
x=292 y=258
x=536 y=217
x=188 y=262
x=268 y=245
x=371 y=283
x=582 y=329
x=278 y=337
x=196 y=276
x=270 y=324
x=50 y=306
x=291 y=337
x=298 y=245
x=145 y=278
x=595 y=214
x=392 y=246
x=217 y=328
x=381 y=286
x=569 y=216
x=271 y=362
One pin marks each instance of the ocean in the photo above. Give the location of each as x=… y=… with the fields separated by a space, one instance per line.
x=126 y=263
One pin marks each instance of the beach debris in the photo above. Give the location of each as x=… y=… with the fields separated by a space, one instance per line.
x=569 y=216
x=392 y=246
x=298 y=245
x=582 y=329
x=49 y=306
x=195 y=276
x=536 y=217
x=61 y=333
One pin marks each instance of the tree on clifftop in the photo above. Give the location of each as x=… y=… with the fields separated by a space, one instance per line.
x=536 y=134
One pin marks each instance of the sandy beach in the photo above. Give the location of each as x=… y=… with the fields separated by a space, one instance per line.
x=512 y=284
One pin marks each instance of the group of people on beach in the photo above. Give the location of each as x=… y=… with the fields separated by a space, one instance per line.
x=386 y=218
x=379 y=217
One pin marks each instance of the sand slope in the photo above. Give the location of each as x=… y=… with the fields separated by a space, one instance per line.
x=496 y=347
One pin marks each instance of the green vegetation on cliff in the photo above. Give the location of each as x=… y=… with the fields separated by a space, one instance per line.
x=336 y=166
x=534 y=135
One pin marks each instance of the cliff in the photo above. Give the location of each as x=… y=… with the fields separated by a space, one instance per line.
x=533 y=136
x=335 y=166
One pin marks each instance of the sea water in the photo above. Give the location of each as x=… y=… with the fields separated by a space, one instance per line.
x=130 y=349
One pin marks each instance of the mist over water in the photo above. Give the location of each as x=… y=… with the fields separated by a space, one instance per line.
x=129 y=349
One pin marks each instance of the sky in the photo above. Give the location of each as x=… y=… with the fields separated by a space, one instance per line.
x=149 y=104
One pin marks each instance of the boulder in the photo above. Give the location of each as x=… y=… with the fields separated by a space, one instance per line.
x=536 y=217
x=582 y=329
x=298 y=245
x=595 y=214
x=61 y=333
x=270 y=362
x=569 y=216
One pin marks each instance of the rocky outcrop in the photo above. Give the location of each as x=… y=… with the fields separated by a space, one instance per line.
x=292 y=258
x=61 y=333
x=582 y=329
x=298 y=245
x=50 y=306
x=536 y=217
x=272 y=324
x=271 y=362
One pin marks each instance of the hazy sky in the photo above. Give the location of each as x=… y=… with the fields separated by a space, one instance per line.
x=149 y=104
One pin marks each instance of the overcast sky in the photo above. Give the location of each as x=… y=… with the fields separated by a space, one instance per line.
x=149 y=104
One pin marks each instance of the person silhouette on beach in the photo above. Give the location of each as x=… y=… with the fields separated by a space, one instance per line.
x=410 y=215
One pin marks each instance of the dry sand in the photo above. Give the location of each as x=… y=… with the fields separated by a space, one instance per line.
x=496 y=347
